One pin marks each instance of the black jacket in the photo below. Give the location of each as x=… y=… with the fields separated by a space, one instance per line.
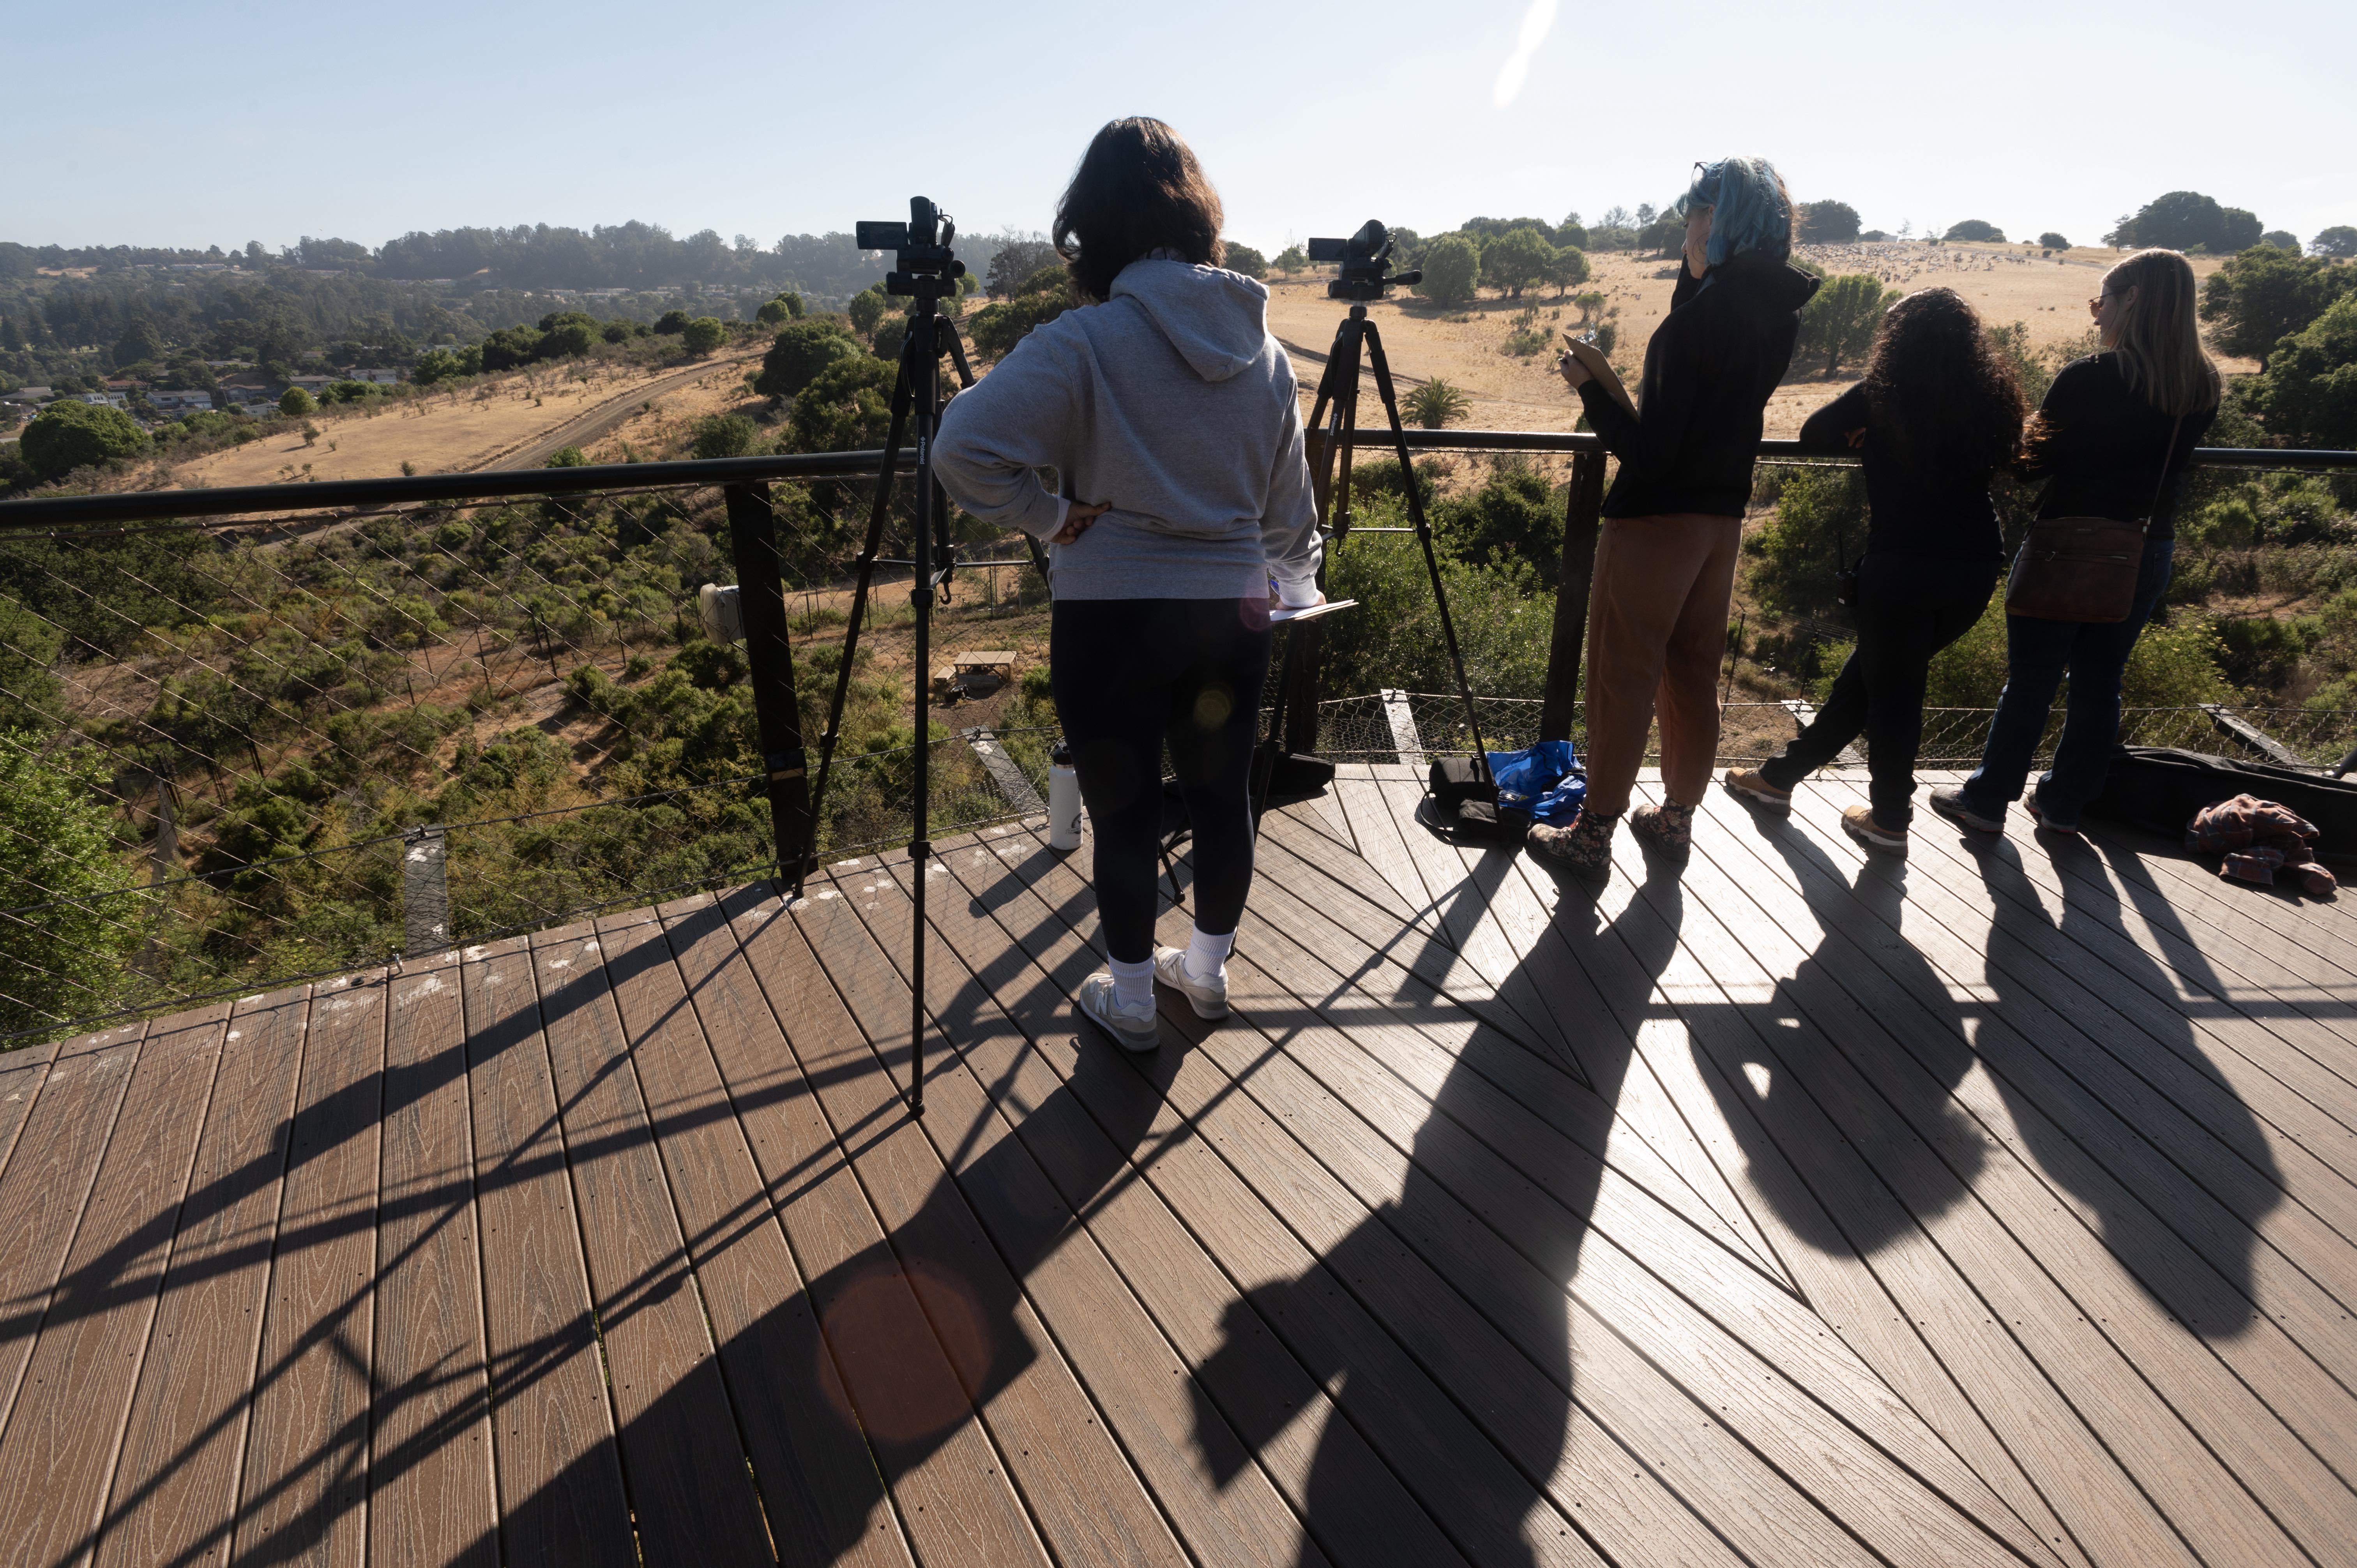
x=1709 y=371
x=1912 y=508
x=2106 y=452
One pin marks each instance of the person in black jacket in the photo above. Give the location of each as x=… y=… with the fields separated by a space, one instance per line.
x=2112 y=439
x=1666 y=562
x=1938 y=411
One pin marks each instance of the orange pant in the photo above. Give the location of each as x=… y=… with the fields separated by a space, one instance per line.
x=1656 y=631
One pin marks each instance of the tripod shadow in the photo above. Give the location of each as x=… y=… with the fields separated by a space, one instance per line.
x=1457 y=1240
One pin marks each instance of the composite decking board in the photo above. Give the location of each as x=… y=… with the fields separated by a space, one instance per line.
x=303 y=1490
x=1422 y=1036
x=176 y=1483
x=979 y=1237
x=1087 y=1120
x=1325 y=813
x=561 y=1485
x=1516 y=1250
x=1626 y=1275
x=1610 y=1064
x=46 y=1185
x=2278 y=1081
x=1884 y=1034
x=2155 y=1442
x=1219 y=1504
x=691 y=1496
x=1905 y=1306
x=1383 y=849
x=62 y=1439
x=1201 y=1140
x=948 y=1482
x=819 y=1492
x=2208 y=1159
x=22 y=1073
x=2321 y=950
x=433 y=1496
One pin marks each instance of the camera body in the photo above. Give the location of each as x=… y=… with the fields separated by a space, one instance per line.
x=924 y=262
x=1366 y=262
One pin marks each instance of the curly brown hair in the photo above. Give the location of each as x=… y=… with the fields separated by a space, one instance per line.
x=1940 y=391
x=1138 y=190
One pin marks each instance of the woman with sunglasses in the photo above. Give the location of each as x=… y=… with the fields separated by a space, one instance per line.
x=2112 y=439
x=1666 y=562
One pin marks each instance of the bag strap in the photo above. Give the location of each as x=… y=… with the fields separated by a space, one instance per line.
x=2168 y=455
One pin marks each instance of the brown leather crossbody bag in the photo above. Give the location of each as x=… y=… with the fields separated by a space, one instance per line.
x=2084 y=568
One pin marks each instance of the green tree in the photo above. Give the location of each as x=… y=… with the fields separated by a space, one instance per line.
x=671 y=323
x=56 y=849
x=1436 y=404
x=867 y=307
x=1568 y=270
x=703 y=335
x=1291 y=260
x=2282 y=240
x=2053 y=242
x=1828 y=223
x=67 y=435
x=778 y=312
x=140 y=341
x=1517 y=259
x=1246 y=259
x=2265 y=294
x=2339 y=242
x=1820 y=514
x=997 y=329
x=567 y=457
x=2308 y=391
x=803 y=350
x=566 y=334
x=725 y=435
x=2183 y=219
x=296 y=403
x=846 y=407
x=511 y=347
x=1452 y=270
x=1840 y=318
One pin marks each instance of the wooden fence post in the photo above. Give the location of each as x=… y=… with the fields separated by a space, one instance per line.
x=1583 y=519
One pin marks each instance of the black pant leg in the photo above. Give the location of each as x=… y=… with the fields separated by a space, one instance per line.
x=1111 y=684
x=1835 y=724
x=1931 y=602
x=1210 y=722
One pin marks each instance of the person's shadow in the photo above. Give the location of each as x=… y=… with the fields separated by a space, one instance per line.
x=1468 y=1247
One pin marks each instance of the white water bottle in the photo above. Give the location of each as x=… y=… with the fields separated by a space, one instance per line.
x=1063 y=799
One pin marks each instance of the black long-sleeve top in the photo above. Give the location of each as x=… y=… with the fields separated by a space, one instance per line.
x=1914 y=507
x=2104 y=452
x=1709 y=371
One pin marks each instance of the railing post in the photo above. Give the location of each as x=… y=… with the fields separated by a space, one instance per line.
x=761 y=600
x=1583 y=518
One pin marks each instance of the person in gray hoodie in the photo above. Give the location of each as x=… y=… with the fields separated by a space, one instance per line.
x=1170 y=417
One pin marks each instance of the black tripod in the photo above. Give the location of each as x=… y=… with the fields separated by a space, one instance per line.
x=927 y=271
x=1337 y=413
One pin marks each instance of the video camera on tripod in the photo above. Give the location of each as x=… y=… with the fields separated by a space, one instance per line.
x=926 y=264
x=1365 y=258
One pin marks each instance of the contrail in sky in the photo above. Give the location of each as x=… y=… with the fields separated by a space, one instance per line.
x=1536 y=23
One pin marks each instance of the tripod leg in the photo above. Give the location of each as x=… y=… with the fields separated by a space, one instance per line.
x=924 y=370
x=1423 y=537
x=903 y=393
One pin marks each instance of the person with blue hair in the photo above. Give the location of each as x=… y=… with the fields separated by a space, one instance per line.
x=1665 y=561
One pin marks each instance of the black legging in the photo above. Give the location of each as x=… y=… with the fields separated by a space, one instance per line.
x=1130 y=674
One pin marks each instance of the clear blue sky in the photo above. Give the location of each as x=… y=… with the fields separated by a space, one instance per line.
x=216 y=123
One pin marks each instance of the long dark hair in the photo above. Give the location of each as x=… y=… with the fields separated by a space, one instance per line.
x=1138 y=188
x=1940 y=391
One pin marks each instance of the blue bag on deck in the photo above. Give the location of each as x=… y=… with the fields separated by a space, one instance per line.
x=1544 y=781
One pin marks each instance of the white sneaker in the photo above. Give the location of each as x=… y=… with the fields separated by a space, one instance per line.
x=1209 y=996
x=1132 y=1028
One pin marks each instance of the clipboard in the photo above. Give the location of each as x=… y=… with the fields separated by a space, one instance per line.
x=1591 y=359
x=1278 y=615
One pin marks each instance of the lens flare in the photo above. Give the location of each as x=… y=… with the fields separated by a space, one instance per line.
x=1537 y=22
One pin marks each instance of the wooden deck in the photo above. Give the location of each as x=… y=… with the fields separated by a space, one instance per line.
x=1991 y=1206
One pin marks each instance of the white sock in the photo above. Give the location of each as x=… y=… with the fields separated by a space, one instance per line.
x=1207 y=954
x=1133 y=983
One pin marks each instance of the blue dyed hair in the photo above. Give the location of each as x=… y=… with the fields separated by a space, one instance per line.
x=1750 y=209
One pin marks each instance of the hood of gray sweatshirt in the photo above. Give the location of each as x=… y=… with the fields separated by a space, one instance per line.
x=1171 y=403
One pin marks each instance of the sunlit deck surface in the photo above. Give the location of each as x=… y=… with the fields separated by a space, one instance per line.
x=1991 y=1206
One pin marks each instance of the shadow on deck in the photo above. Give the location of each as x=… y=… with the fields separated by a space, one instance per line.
x=1990 y=1205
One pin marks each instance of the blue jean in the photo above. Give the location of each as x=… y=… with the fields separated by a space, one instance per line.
x=2038 y=654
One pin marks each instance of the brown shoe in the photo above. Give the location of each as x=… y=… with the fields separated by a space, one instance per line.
x=1585 y=847
x=1752 y=785
x=1859 y=824
x=1668 y=826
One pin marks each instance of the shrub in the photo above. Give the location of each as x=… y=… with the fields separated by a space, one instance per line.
x=803 y=350
x=57 y=842
x=2053 y=242
x=2265 y=294
x=867 y=307
x=1452 y=270
x=777 y=312
x=67 y=435
x=1513 y=517
x=846 y=407
x=671 y=323
x=1292 y=259
x=1840 y=318
x=997 y=329
x=1246 y=259
x=444 y=365
x=703 y=335
x=725 y=435
x=295 y=403
x=1820 y=516
x=567 y=457
x=1436 y=404
x=2308 y=391
x=511 y=347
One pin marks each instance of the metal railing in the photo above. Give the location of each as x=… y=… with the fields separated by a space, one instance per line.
x=335 y=721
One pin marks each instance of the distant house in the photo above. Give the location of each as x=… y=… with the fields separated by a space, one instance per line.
x=169 y=398
x=108 y=399
x=315 y=385
x=377 y=375
x=29 y=394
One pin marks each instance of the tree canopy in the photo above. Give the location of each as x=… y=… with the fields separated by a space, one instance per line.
x=1828 y=223
x=2053 y=242
x=703 y=335
x=2182 y=219
x=2339 y=242
x=2265 y=294
x=58 y=849
x=800 y=351
x=1452 y=270
x=1518 y=258
x=1840 y=318
x=70 y=435
x=1975 y=230
x=1246 y=259
x=2309 y=393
